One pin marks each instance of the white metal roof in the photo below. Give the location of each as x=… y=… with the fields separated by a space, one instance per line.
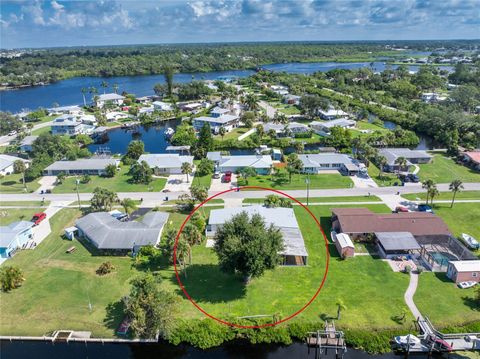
x=7 y=161
x=317 y=159
x=466 y=266
x=165 y=160
x=255 y=161
x=223 y=119
x=344 y=240
x=110 y=97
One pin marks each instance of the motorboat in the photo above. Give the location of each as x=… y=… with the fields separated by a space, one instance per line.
x=169 y=132
x=465 y=285
x=471 y=242
x=408 y=340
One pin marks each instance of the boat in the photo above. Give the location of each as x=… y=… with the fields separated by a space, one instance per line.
x=465 y=285
x=408 y=340
x=169 y=132
x=471 y=242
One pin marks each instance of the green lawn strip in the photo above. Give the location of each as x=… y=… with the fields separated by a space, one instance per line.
x=212 y=201
x=322 y=199
x=383 y=180
x=234 y=134
x=24 y=203
x=462 y=218
x=41 y=131
x=444 y=196
x=13 y=184
x=11 y=215
x=203 y=181
x=321 y=181
x=443 y=169
x=119 y=183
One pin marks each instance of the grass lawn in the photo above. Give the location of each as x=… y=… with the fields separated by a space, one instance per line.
x=11 y=215
x=203 y=181
x=444 y=196
x=234 y=134
x=443 y=169
x=13 y=184
x=119 y=183
x=323 y=199
x=365 y=125
x=384 y=180
x=319 y=181
x=462 y=218
x=24 y=203
x=41 y=131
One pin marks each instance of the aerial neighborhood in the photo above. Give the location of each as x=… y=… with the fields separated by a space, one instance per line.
x=241 y=191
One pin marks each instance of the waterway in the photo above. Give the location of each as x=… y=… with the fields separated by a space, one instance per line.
x=43 y=350
x=68 y=92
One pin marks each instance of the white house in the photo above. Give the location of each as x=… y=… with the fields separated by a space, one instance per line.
x=430 y=97
x=166 y=163
x=323 y=128
x=72 y=125
x=228 y=122
x=91 y=166
x=162 y=106
x=219 y=111
x=296 y=127
x=6 y=163
x=112 y=98
x=116 y=116
x=291 y=99
x=262 y=164
x=318 y=162
x=66 y=110
x=331 y=114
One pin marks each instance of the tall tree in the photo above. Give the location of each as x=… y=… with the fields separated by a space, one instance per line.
x=168 y=74
x=103 y=199
x=455 y=186
x=129 y=205
x=10 y=278
x=104 y=85
x=381 y=162
x=84 y=91
x=294 y=165
x=433 y=192
x=141 y=173
x=192 y=236
x=199 y=193
x=205 y=138
x=247 y=172
x=115 y=87
x=401 y=162
x=134 y=150
x=222 y=131
x=187 y=169
x=19 y=167
x=427 y=185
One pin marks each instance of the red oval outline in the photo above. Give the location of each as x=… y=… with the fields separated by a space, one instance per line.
x=236 y=189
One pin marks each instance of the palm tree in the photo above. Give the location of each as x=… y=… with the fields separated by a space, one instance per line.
x=19 y=167
x=222 y=131
x=340 y=306
x=128 y=205
x=115 y=88
x=182 y=251
x=455 y=186
x=381 y=161
x=192 y=236
x=29 y=127
x=433 y=192
x=401 y=162
x=93 y=91
x=186 y=169
x=427 y=185
x=251 y=101
x=104 y=84
x=84 y=90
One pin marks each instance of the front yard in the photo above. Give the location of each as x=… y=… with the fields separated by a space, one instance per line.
x=13 y=184
x=443 y=169
x=384 y=179
x=119 y=183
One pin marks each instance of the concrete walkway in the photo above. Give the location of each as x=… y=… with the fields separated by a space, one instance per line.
x=42 y=231
x=412 y=288
x=232 y=202
x=246 y=134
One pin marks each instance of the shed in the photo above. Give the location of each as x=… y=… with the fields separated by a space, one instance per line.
x=70 y=232
x=344 y=245
x=396 y=243
x=463 y=271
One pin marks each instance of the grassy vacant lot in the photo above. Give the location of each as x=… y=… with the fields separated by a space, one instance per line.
x=462 y=218
x=443 y=169
x=444 y=196
x=323 y=199
x=10 y=215
x=41 y=131
x=13 y=184
x=280 y=181
x=119 y=183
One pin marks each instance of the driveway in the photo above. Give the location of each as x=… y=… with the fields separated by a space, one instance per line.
x=218 y=186
x=363 y=181
x=178 y=183
x=46 y=182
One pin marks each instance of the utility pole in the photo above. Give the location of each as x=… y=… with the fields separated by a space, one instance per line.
x=77 y=181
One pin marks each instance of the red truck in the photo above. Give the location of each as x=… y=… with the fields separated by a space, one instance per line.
x=38 y=217
x=227 y=177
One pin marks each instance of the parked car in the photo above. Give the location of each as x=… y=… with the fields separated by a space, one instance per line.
x=402 y=209
x=425 y=208
x=470 y=241
x=227 y=177
x=413 y=178
x=216 y=174
x=38 y=218
x=465 y=285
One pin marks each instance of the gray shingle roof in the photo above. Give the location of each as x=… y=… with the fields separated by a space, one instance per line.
x=165 y=160
x=106 y=232
x=82 y=164
x=28 y=140
x=317 y=159
x=391 y=154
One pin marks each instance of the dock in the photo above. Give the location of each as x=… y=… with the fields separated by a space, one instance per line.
x=328 y=339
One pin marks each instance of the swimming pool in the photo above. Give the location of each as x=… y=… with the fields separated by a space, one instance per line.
x=442 y=258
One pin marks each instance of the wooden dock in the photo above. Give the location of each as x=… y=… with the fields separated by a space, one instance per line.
x=327 y=339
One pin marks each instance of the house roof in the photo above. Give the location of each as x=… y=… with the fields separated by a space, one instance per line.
x=255 y=161
x=110 y=97
x=474 y=156
x=178 y=148
x=65 y=108
x=9 y=232
x=362 y=220
x=7 y=161
x=223 y=119
x=341 y=122
x=219 y=110
x=106 y=232
x=165 y=160
x=391 y=154
x=214 y=156
x=277 y=127
x=281 y=218
x=344 y=240
x=293 y=125
x=318 y=159
x=28 y=140
x=82 y=164
x=392 y=241
x=466 y=266
x=332 y=112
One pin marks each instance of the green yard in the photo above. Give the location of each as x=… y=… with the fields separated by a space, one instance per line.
x=281 y=181
x=234 y=134
x=443 y=169
x=119 y=183
x=323 y=199
x=444 y=196
x=462 y=218
x=41 y=131
x=203 y=181
x=13 y=184
x=11 y=215
x=383 y=180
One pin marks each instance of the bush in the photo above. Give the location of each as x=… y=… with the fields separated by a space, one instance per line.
x=10 y=278
x=105 y=268
x=303 y=135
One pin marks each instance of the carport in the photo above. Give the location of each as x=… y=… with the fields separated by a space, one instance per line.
x=392 y=244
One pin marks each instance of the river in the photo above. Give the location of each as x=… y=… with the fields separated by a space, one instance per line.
x=44 y=350
x=68 y=92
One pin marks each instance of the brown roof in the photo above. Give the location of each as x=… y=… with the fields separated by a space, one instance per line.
x=362 y=220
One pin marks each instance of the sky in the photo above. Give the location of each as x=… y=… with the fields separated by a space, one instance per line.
x=54 y=23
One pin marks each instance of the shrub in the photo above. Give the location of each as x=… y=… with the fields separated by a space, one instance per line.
x=105 y=268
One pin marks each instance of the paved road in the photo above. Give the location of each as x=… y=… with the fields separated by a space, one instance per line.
x=5 y=140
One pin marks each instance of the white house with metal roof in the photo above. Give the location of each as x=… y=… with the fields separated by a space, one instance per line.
x=166 y=163
x=412 y=157
x=318 y=162
x=108 y=234
x=331 y=114
x=112 y=98
x=294 y=251
x=91 y=166
x=262 y=164
x=324 y=128
x=228 y=122
x=7 y=161
x=464 y=271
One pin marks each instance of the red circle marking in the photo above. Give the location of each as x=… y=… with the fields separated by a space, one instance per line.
x=249 y=326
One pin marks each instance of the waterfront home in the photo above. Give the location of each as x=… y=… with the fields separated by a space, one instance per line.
x=294 y=251
x=7 y=161
x=331 y=114
x=344 y=245
x=431 y=97
x=472 y=158
x=162 y=106
x=65 y=110
x=324 y=128
x=144 y=100
x=277 y=127
x=291 y=99
x=165 y=163
x=146 y=110
x=90 y=166
x=24 y=116
x=112 y=236
x=296 y=127
x=262 y=164
x=117 y=116
x=228 y=122
x=412 y=157
x=109 y=98
x=219 y=111
x=27 y=142
x=214 y=156
x=193 y=106
x=279 y=89
x=318 y=162
x=72 y=125
x=13 y=237
x=464 y=271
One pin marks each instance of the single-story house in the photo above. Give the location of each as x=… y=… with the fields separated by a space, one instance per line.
x=412 y=157
x=143 y=99
x=262 y=164
x=91 y=166
x=463 y=271
x=116 y=115
x=191 y=106
x=323 y=128
x=178 y=149
x=219 y=111
x=27 y=142
x=108 y=234
x=344 y=245
x=112 y=98
x=145 y=110
x=315 y=163
x=296 y=127
x=392 y=244
x=162 y=106
x=7 y=161
x=214 y=156
x=277 y=127
x=14 y=236
x=65 y=110
x=228 y=122
x=291 y=99
x=165 y=163
x=472 y=157
x=294 y=251
x=331 y=114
